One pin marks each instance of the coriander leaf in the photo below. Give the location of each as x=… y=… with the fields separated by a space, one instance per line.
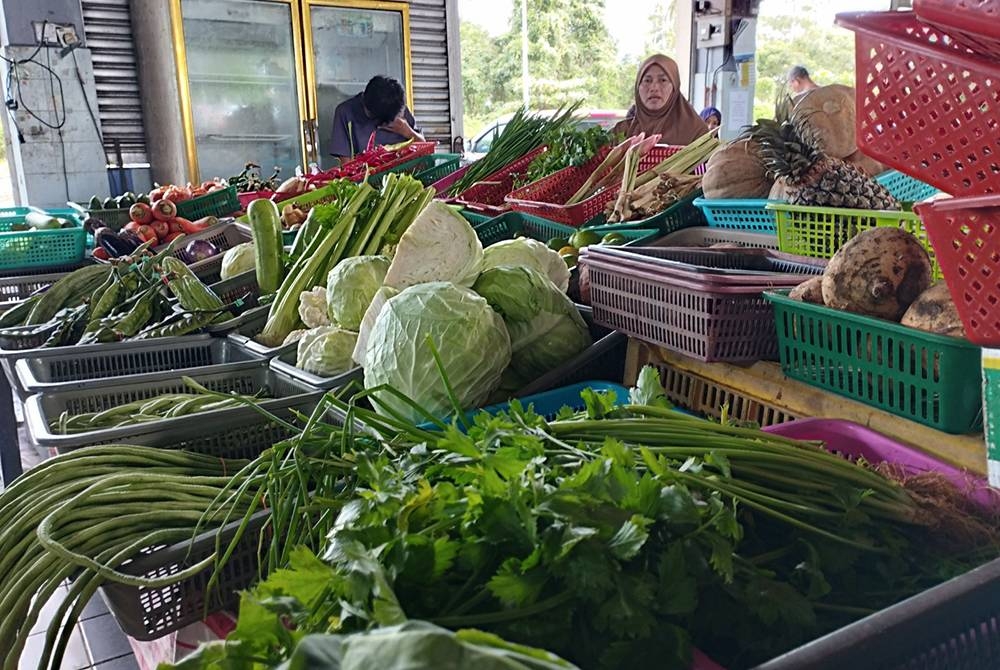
x=648 y=389
x=513 y=588
x=628 y=541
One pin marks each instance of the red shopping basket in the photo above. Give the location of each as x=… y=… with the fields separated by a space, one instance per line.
x=965 y=233
x=487 y=195
x=973 y=23
x=926 y=105
x=547 y=196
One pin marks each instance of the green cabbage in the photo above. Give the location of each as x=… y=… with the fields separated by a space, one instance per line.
x=528 y=253
x=350 y=287
x=468 y=335
x=326 y=351
x=378 y=302
x=238 y=260
x=439 y=245
x=545 y=326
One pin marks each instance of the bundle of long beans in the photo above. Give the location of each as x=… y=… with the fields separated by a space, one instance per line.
x=522 y=134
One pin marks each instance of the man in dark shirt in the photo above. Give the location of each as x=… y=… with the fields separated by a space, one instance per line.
x=379 y=110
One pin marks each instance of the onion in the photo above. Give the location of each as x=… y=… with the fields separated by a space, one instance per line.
x=199 y=250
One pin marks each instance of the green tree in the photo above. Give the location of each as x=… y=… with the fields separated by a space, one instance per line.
x=661 y=36
x=787 y=40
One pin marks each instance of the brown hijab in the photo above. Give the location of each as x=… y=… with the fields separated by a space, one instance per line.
x=677 y=122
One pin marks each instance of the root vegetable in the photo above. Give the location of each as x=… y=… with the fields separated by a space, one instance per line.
x=831 y=113
x=934 y=311
x=811 y=291
x=878 y=273
x=736 y=171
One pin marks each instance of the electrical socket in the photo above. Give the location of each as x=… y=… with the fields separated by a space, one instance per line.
x=56 y=34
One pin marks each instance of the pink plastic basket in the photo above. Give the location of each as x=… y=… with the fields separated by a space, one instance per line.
x=853 y=441
x=546 y=197
x=698 y=314
x=926 y=105
x=973 y=23
x=965 y=233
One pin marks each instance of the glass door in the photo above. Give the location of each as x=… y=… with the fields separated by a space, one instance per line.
x=347 y=42
x=245 y=98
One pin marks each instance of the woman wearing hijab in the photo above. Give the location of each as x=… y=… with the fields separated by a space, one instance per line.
x=712 y=117
x=659 y=106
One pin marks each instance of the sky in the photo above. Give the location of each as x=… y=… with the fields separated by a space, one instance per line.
x=494 y=15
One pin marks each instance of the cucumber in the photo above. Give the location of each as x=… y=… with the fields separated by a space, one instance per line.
x=265 y=227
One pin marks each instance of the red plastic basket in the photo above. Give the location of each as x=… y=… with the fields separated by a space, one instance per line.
x=706 y=315
x=547 y=196
x=926 y=105
x=973 y=23
x=965 y=233
x=487 y=195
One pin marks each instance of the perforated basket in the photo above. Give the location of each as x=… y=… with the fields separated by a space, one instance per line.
x=244 y=378
x=965 y=233
x=926 y=105
x=18 y=287
x=25 y=249
x=905 y=188
x=223 y=236
x=818 y=232
x=285 y=363
x=710 y=315
x=112 y=218
x=81 y=367
x=973 y=23
x=252 y=326
x=702 y=236
x=682 y=214
x=488 y=194
x=546 y=197
x=243 y=292
x=217 y=203
x=749 y=215
x=441 y=166
x=927 y=378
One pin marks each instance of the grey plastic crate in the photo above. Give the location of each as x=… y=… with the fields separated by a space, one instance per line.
x=602 y=361
x=244 y=288
x=285 y=362
x=55 y=370
x=251 y=326
x=242 y=378
x=224 y=236
x=18 y=286
x=703 y=236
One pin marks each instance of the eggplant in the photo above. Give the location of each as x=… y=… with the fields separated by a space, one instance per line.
x=93 y=224
x=116 y=244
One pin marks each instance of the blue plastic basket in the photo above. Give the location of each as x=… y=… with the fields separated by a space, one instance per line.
x=750 y=215
x=905 y=188
x=549 y=403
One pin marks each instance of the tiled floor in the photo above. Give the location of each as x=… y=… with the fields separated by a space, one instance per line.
x=97 y=642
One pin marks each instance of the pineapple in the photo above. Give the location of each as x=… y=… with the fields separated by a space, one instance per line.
x=789 y=149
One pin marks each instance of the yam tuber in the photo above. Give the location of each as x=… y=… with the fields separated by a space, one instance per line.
x=934 y=311
x=811 y=291
x=878 y=272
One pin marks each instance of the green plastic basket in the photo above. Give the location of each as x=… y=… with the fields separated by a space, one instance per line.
x=114 y=219
x=40 y=248
x=509 y=225
x=682 y=214
x=818 y=232
x=931 y=379
x=475 y=218
x=443 y=165
x=217 y=203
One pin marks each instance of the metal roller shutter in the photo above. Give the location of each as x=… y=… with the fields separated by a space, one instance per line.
x=429 y=52
x=108 y=32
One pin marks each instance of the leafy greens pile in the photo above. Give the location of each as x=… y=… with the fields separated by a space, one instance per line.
x=621 y=536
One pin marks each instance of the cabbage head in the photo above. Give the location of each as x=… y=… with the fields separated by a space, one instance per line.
x=238 y=260
x=350 y=287
x=528 y=253
x=439 y=245
x=545 y=327
x=378 y=302
x=326 y=351
x=470 y=339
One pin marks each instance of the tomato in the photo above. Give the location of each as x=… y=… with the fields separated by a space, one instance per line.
x=162 y=228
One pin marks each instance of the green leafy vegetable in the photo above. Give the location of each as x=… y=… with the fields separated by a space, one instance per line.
x=567 y=147
x=350 y=287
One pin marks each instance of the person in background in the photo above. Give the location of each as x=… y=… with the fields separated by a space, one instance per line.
x=659 y=106
x=799 y=81
x=380 y=111
x=712 y=117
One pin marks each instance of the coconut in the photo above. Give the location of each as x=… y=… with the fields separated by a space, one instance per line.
x=934 y=311
x=879 y=272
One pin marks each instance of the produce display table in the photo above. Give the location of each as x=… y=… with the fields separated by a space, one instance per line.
x=10 y=450
x=770 y=397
